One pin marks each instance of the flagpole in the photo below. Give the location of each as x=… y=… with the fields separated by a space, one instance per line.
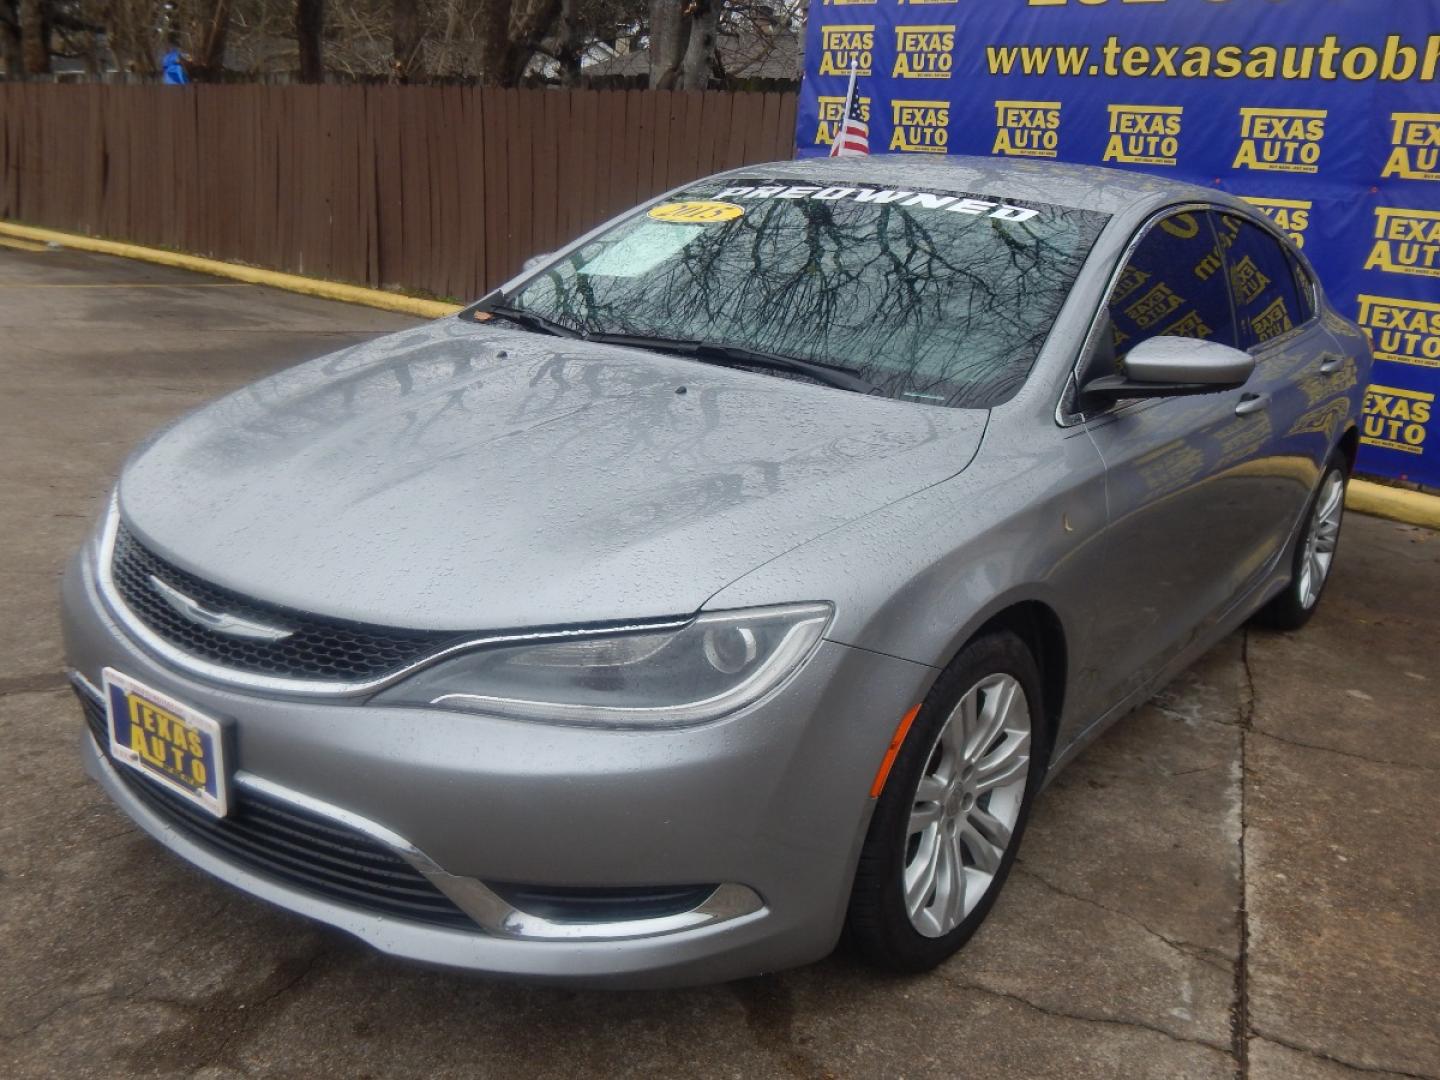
x=845 y=112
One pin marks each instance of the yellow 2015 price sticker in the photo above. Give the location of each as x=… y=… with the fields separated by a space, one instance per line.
x=697 y=212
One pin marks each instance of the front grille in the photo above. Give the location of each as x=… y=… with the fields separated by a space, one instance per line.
x=318 y=648
x=283 y=842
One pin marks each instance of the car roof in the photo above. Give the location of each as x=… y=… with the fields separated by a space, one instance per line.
x=1112 y=191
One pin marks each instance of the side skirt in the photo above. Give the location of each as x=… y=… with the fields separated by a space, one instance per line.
x=1232 y=620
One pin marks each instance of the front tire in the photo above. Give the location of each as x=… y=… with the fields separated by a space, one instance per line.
x=1314 y=553
x=949 y=820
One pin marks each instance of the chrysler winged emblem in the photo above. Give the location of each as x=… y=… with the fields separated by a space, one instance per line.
x=220 y=621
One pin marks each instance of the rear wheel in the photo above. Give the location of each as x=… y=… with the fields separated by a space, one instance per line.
x=949 y=821
x=1314 y=554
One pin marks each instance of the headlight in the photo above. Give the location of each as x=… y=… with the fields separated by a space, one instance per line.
x=713 y=665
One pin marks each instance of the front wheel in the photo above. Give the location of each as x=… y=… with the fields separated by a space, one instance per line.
x=1314 y=554
x=949 y=821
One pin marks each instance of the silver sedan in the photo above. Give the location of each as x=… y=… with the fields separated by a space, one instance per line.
x=738 y=573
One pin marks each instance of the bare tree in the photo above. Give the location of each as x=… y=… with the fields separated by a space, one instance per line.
x=10 y=52
x=682 y=43
x=405 y=38
x=309 y=28
x=502 y=42
x=569 y=41
x=35 y=36
x=669 y=35
x=583 y=25
x=510 y=33
x=206 y=27
x=130 y=34
x=699 y=62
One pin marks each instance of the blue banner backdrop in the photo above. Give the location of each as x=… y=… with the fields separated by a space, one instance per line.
x=1325 y=114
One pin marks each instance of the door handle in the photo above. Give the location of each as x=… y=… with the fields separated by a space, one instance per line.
x=1331 y=363
x=1252 y=403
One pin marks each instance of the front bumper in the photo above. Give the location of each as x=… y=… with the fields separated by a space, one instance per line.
x=771 y=801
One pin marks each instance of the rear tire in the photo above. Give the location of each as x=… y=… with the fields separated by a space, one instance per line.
x=949 y=820
x=1314 y=554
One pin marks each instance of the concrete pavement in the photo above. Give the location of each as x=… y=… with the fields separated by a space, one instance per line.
x=1239 y=879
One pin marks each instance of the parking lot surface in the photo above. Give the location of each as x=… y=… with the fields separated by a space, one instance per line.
x=1240 y=878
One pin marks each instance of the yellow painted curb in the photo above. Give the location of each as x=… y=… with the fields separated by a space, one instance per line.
x=1397 y=504
x=325 y=290
x=20 y=245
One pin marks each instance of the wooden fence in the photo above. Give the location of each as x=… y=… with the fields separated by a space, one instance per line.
x=445 y=190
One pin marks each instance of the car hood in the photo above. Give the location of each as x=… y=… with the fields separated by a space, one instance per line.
x=461 y=476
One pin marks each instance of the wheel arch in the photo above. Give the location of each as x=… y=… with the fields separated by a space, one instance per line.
x=1349 y=445
x=1040 y=628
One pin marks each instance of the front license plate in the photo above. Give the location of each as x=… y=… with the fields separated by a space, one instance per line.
x=166 y=740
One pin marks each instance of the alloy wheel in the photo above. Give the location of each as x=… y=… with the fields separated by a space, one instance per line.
x=1321 y=537
x=966 y=804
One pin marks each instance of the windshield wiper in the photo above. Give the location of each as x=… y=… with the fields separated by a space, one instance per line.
x=531 y=321
x=715 y=352
x=708 y=351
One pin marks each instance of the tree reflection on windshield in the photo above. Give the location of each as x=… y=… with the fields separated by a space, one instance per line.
x=927 y=304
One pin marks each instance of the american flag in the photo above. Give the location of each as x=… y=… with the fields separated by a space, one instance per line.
x=853 y=138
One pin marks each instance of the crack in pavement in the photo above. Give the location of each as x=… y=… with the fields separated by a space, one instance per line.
x=245 y=1015
x=1206 y=955
x=30 y=1029
x=1345 y=753
x=1245 y=1028
x=1240 y=1011
x=111 y=993
x=221 y=1050
x=38 y=683
x=1140 y=1025
x=1198 y=769
x=1321 y=1055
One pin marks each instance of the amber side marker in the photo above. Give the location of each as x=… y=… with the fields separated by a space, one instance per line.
x=883 y=773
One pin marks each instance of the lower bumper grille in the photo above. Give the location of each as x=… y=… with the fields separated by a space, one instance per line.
x=288 y=844
x=586 y=904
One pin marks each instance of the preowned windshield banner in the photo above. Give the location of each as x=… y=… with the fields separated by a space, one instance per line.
x=1325 y=114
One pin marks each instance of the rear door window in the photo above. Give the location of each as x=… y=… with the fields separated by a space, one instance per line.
x=1306 y=286
x=1173 y=284
x=1262 y=281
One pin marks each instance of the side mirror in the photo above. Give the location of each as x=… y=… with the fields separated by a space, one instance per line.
x=1171 y=366
x=534 y=261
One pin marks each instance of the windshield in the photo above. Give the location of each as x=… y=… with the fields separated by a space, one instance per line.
x=935 y=297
